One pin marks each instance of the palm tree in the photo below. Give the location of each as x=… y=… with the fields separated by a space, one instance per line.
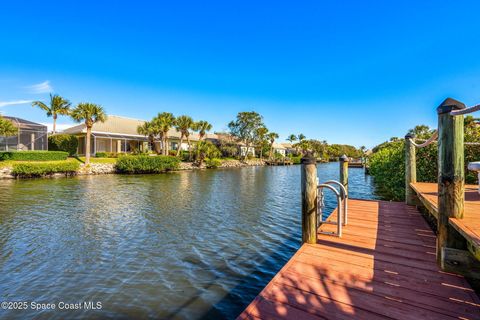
x=90 y=113
x=183 y=125
x=150 y=130
x=58 y=106
x=7 y=129
x=165 y=121
x=301 y=137
x=292 y=138
x=272 y=136
x=206 y=149
x=202 y=127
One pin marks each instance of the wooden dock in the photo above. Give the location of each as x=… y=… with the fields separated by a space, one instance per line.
x=469 y=226
x=383 y=267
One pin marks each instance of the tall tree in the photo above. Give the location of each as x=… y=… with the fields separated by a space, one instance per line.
x=292 y=138
x=261 y=139
x=151 y=131
x=301 y=137
x=420 y=132
x=58 y=106
x=90 y=113
x=7 y=129
x=202 y=127
x=271 y=137
x=165 y=121
x=183 y=124
x=244 y=128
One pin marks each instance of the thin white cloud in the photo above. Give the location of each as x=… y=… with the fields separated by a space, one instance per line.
x=43 y=87
x=14 y=102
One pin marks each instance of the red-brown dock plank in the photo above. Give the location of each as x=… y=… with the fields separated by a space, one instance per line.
x=469 y=226
x=383 y=267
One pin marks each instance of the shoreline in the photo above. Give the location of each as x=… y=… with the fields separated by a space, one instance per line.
x=109 y=168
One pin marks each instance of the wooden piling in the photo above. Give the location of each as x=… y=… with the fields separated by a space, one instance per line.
x=410 y=170
x=309 y=199
x=344 y=171
x=451 y=175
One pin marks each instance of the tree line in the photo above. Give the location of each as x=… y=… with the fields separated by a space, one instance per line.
x=322 y=149
x=248 y=129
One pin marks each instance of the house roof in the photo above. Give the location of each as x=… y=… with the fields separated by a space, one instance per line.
x=25 y=124
x=118 y=125
x=113 y=124
x=287 y=145
x=278 y=146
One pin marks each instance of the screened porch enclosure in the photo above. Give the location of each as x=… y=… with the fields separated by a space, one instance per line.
x=30 y=136
x=114 y=144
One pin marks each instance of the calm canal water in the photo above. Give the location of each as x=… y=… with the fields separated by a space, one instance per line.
x=185 y=245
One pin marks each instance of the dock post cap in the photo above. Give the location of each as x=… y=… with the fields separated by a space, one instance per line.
x=409 y=136
x=344 y=158
x=450 y=104
x=308 y=158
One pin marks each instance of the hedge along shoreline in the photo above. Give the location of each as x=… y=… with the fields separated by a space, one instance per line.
x=147 y=164
x=387 y=166
x=39 y=169
x=33 y=155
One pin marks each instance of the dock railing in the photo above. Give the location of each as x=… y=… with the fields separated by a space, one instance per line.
x=312 y=198
x=450 y=252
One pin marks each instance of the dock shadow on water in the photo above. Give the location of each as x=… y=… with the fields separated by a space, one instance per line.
x=185 y=245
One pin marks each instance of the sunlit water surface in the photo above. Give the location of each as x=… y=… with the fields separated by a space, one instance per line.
x=184 y=245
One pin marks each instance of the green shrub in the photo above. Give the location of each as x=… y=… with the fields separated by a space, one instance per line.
x=31 y=170
x=106 y=155
x=137 y=151
x=185 y=155
x=63 y=142
x=205 y=150
x=296 y=159
x=33 y=155
x=387 y=166
x=213 y=163
x=146 y=164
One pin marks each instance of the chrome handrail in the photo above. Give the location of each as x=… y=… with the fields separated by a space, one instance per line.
x=339 y=201
x=344 y=193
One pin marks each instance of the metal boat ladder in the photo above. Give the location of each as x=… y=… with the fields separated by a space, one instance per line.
x=342 y=201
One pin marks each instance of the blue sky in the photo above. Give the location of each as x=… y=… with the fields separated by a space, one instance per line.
x=348 y=72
